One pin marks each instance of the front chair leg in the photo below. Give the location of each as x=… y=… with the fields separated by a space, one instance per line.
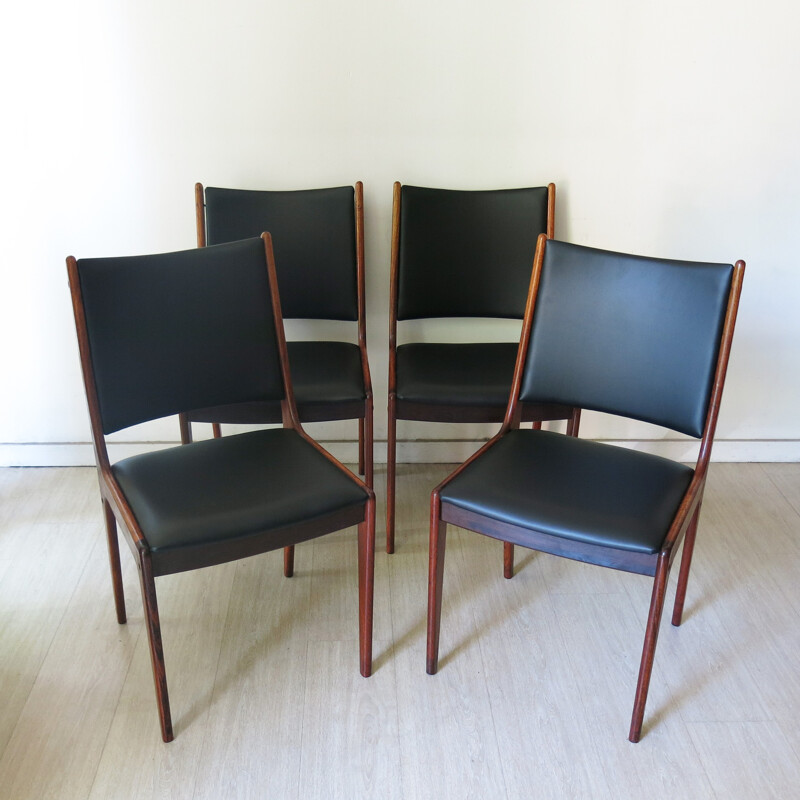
x=216 y=429
x=288 y=561
x=438 y=540
x=113 y=559
x=649 y=650
x=366 y=584
x=686 y=565
x=508 y=560
x=156 y=649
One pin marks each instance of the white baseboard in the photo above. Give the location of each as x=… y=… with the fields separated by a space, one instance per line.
x=77 y=454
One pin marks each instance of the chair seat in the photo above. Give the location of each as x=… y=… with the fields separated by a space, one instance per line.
x=456 y=374
x=324 y=374
x=211 y=493
x=575 y=489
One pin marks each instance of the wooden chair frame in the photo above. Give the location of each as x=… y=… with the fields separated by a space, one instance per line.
x=656 y=565
x=117 y=510
x=318 y=412
x=429 y=412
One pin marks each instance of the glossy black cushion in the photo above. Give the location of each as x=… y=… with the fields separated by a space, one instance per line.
x=314 y=237
x=323 y=373
x=180 y=330
x=574 y=488
x=456 y=374
x=467 y=253
x=326 y=372
x=627 y=335
x=209 y=493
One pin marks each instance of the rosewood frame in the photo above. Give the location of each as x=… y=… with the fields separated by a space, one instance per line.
x=683 y=527
x=116 y=509
x=317 y=412
x=428 y=412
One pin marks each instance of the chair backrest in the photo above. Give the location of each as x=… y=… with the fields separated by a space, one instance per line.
x=467 y=253
x=627 y=335
x=314 y=236
x=177 y=331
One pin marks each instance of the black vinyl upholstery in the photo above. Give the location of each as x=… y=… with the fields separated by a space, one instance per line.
x=314 y=238
x=477 y=374
x=180 y=330
x=574 y=488
x=234 y=487
x=639 y=338
x=467 y=253
x=322 y=373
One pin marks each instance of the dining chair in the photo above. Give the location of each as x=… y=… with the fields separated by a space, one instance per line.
x=151 y=348
x=643 y=338
x=462 y=254
x=318 y=235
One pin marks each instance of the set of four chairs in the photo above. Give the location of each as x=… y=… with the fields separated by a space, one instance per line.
x=200 y=334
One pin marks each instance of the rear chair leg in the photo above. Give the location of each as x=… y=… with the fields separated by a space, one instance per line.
x=156 y=649
x=508 y=560
x=368 y=445
x=288 y=561
x=113 y=558
x=216 y=428
x=686 y=565
x=391 y=456
x=185 y=429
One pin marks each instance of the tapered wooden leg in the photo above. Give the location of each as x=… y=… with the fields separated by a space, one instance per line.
x=686 y=565
x=574 y=422
x=113 y=560
x=649 y=650
x=361 y=446
x=185 y=428
x=391 y=456
x=288 y=561
x=368 y=444
x=436 y=548
x=508 y=560
x=536 y=425
x=216 y=429
x=156 y=649
x=366 y=584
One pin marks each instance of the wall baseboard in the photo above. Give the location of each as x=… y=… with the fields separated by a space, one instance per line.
x=79 y=454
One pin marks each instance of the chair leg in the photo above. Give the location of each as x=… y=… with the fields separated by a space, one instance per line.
x=686 y=565
x=288 y=561
x=649 y=650
x=360 y=445
x=438 y=540
x=574 y=422
x=508 y=560
x=185 y=428
x=368 y=444
x=113 y=559
x=216 y=430
x=156 y=649
x=366 y=585
x=391 y=456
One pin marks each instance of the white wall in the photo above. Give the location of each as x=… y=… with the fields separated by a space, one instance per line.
x=670 y=129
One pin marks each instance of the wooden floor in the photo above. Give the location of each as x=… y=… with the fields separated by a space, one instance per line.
x=532 y=699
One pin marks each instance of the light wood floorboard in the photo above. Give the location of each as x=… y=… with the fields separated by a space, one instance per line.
x=534 y=690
